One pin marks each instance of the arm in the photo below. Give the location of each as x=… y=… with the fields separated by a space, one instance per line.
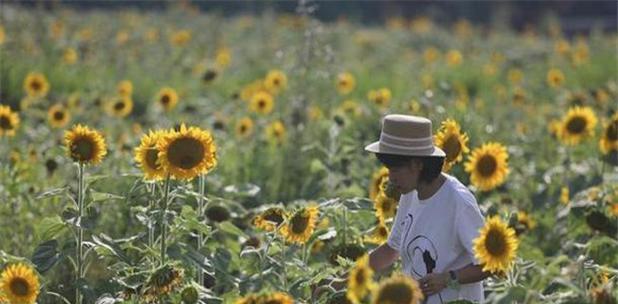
x=435 y=282
x=382 y=257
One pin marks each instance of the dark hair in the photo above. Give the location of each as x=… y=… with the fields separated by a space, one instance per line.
x=432 y=166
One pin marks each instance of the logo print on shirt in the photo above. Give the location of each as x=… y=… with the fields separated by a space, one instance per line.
x=422 y=252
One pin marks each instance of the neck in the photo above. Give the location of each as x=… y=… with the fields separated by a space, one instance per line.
x=427 y=190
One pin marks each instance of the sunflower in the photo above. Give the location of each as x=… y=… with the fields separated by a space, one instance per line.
x=381 y=97
x=120 y=106
x=2 y=35
x=167 y=98
x=314 y=113
x=275 y=81
x=378 y=234
x=376 y=182
x=125 y=88
x=270 y=219
x=345 y=83
x=223 y=58
x=244 y=127
x=85 y=145
x=146 y=156
x=453 y=142
x=36 y=85
x=20 y=284
x=162 y=282
x=277 y=298
x=562 y=47
x=431 y=54
x=488 y=166
x=275 y=132
x=58 y=116
x=577 y=124
x=187 y=152
x=555 y=78
x=300 y=225
x=398 y=289
x=180 y=38
x=525 y=219
x=564 y=195
x=515 y=76
x=69 y=56
x=609 y=140
x=360 y=280
x=350 y=107
x=496 y=245
x=217 y=213
x=9 y=121
x=454 y=58
x=248 y=91
x=262 y=102
x=385 y=206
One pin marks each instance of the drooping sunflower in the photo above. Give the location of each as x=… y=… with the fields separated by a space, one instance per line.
x=147 y=156
x=453 y=142
x=269 y=219
x=360 y=280
x=376 y=182
x=378 y=234
x=381 y=97
x=58 y=116
x=187 y=152
x=300 y=225
x=125 y=88
x=167 y=98
x=555 y=78
x=275 y=81
x=275 y=132
x=120 y=106
x=262 y=102
x=576 y=125
x=244 y=127
x=345 y=83
x=496 y=245
x=36 y=85
x=20 y=284
x=398 y=289
x=162 y=282
x=85 y=145
x=609 y=140
x=9 y=121
x=488 y=166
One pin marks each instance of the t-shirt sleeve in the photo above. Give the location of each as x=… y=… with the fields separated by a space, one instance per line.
x=394 y=238
x=468 y=223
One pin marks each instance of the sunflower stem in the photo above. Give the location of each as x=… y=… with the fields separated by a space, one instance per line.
x=200 y=214
x=151 y=222
x=80 y=233
x=345 y=225
x=163 y=221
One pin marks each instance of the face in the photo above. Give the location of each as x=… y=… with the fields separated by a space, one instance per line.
x=405 y=178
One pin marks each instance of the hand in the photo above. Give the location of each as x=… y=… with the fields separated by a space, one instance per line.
x=433 y=283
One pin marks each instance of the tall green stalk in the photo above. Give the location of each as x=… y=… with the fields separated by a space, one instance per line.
x=151 y=222
x=79 y=254
x=200 y=214
x=163 y=220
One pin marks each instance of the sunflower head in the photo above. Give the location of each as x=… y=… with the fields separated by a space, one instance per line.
x=454 y=143
x=147 y=156
x=262 y=102
x=300 y=225
x=360 y=280
x=277 y=298
x=609 y=140
x=496 y=245
x=36 y=85
x=244 y=127
x=85 y=145
x=576 y=125
x=120 y=106
x=380 y=97
x=19 y=283
x=488 y=166
x=187 y=152
x=180 y=37
x=269 y=219
x=350 y=108
x=385 y=206
x=398 y=289
x=378 y=234
x=223 y=57
x=163 y=281
x=9 y=121
x=58 y=116
x=275 y=81
x=555 y=78
x=167 y=98
x=125 y=88
x=454 y=58
x=217 y=213
x=345 y=83
x=275 y=132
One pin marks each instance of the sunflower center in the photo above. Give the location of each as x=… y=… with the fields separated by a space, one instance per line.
x=299 y=223
x=5 y=123
x=119 y=106
x=274 y=217
x=343 y=83
x=58 y=115
x=395 y=293
x=186 y=153
x=261 y=103
x=576 y=125
x=452 y=148
x=152 y=157
x=487 y=165
x=165 y=99
x=495 y=243
x=19 y=287
x=276 y=81
x=35 y=85
x=243 y=129
x=612 y=131
x=382 y=231
x=360 y=277
x=82 y=149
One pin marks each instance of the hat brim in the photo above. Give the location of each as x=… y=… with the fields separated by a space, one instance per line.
x=376 y=148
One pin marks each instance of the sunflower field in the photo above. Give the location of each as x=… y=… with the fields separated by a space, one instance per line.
x=181 y=156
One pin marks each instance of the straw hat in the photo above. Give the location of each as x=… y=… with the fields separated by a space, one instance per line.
x=406 y=135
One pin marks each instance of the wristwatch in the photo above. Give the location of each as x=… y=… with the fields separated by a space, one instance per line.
x=453 y=281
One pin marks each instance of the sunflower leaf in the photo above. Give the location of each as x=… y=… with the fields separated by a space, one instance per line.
x=50 y=228
x=46 y=255
x=109 y=245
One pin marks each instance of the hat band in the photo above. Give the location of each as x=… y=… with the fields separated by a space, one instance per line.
x=405 y=139
x=416 y=148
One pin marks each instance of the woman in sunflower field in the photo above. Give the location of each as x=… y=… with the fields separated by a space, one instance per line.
x=437 y=219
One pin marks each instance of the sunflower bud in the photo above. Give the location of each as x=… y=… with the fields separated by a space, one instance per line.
x=189 y=295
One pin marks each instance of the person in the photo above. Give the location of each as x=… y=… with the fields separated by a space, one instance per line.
x=437 y=218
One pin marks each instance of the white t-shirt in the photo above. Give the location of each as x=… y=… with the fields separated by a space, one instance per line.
x=435 y=235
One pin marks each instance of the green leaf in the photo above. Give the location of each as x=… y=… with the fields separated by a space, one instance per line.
x=110 y=247
x=232 y=229
x=52 y=193
x=46 y=255
x=50 y=227
x=102 y=196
